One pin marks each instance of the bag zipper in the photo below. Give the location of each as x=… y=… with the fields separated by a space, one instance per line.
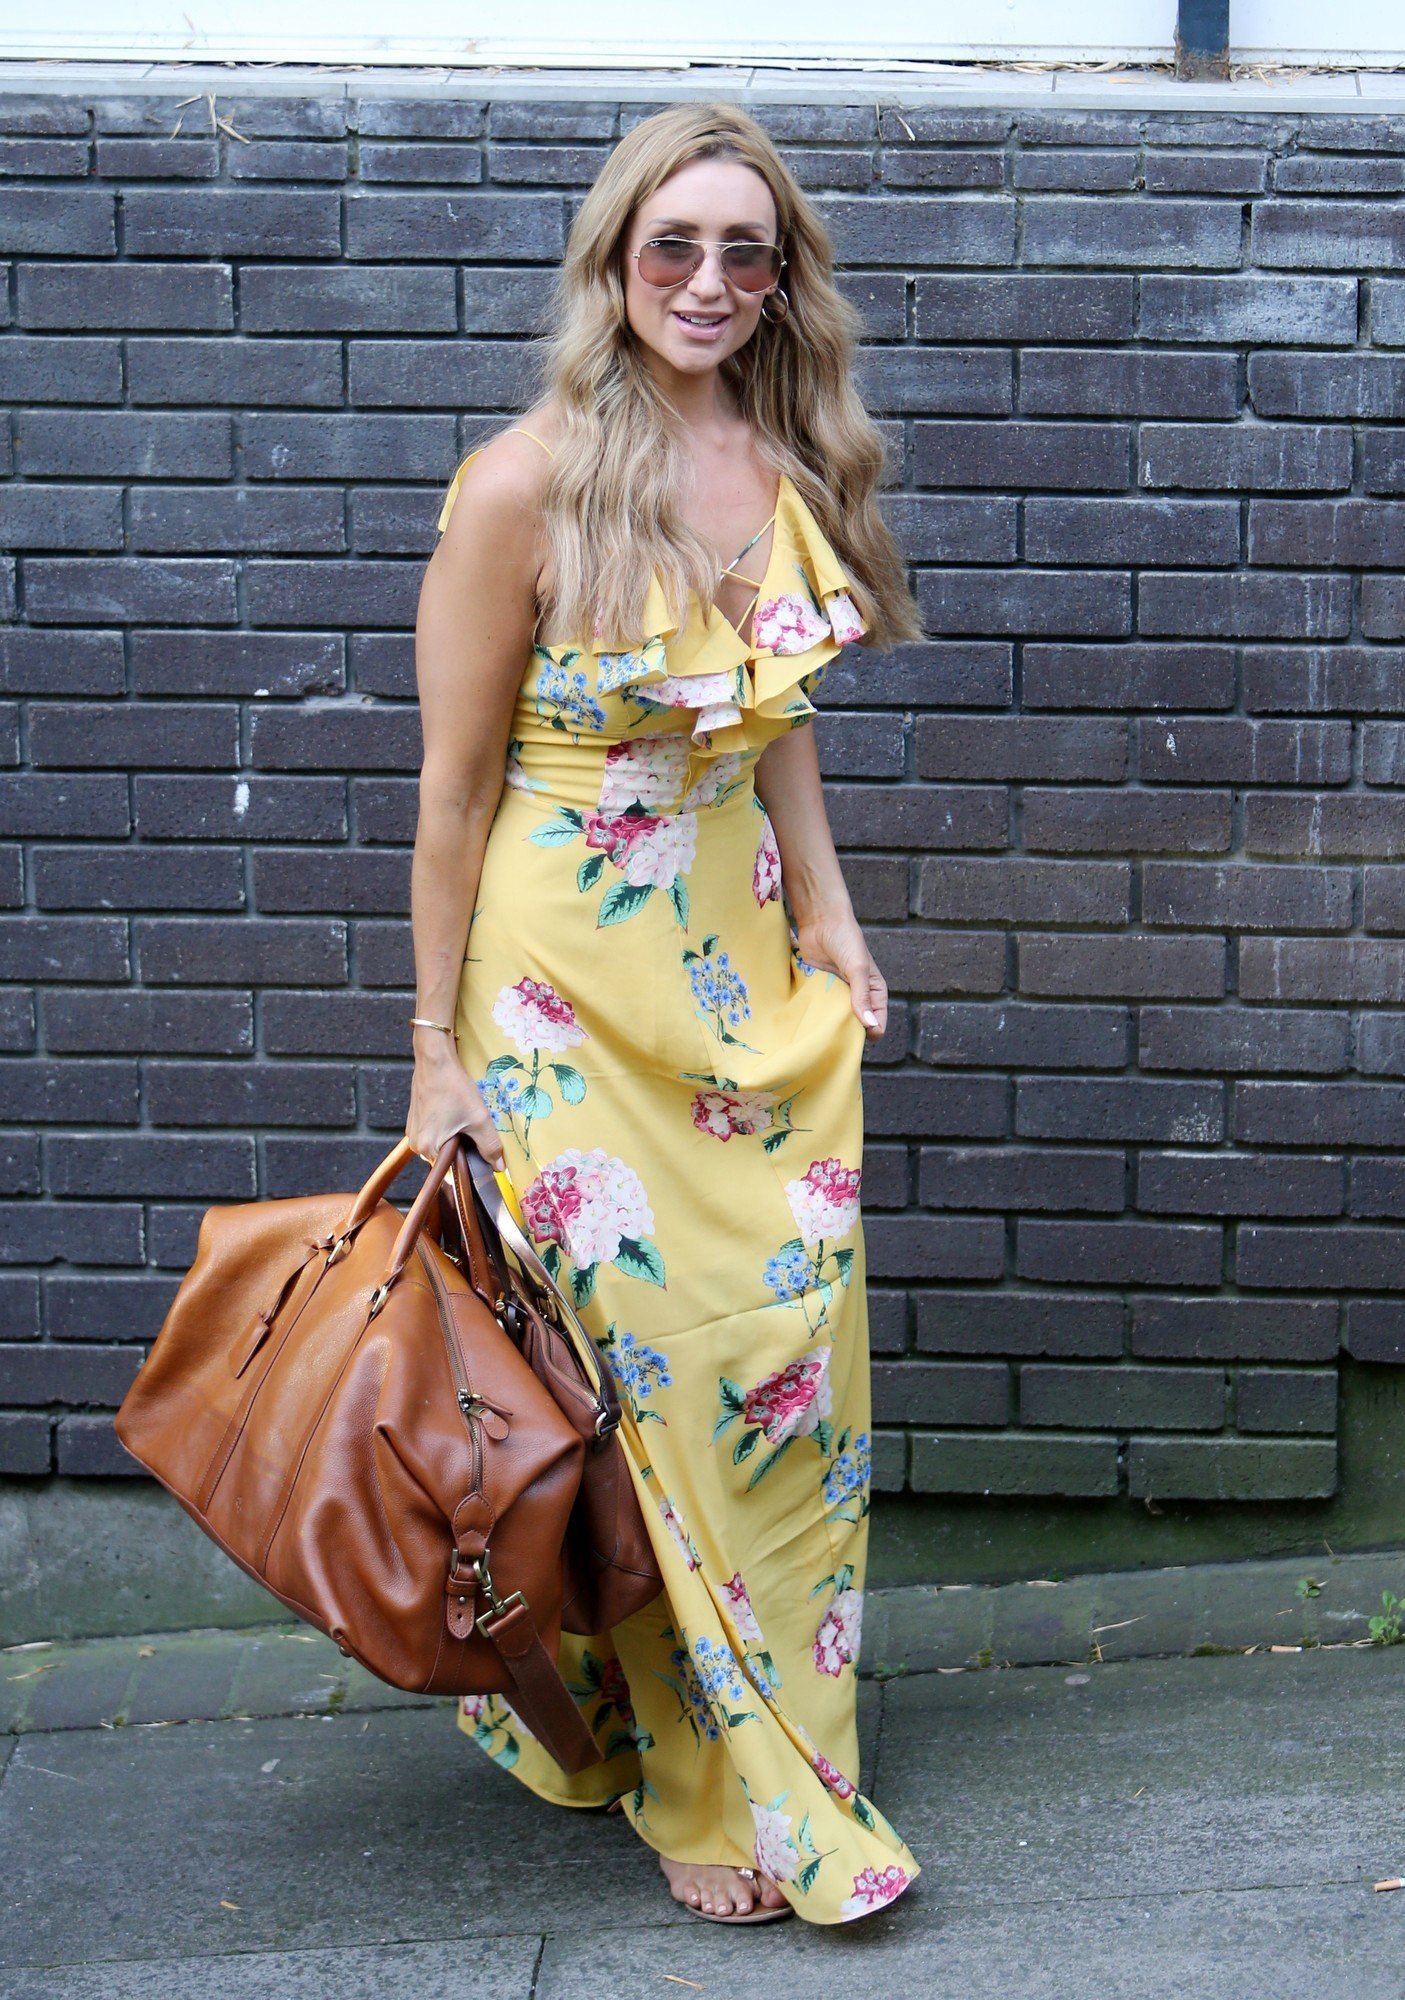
x=473 y=1406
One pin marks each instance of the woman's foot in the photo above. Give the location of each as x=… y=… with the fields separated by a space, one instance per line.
x=733 y=1893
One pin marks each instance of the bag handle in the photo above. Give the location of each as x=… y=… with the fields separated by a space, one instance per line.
x=484 y=1185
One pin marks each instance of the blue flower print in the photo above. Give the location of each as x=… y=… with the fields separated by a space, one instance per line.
x=503 y=1096
x=639 y=1370
x=562 y=687
x=719 y=991
x=849 y=1473
x=790 y=1271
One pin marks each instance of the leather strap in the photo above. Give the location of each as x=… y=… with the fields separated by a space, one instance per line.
x=540 y=1696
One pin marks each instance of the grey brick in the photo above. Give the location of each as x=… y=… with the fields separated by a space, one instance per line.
x=1233 y=1184
x=1275 y=1257
x=1023 y=306
x=1257 y=458
x=1090 y=230
x=1020 y=747
x=1153 y=968
x=1375 y=1330
x=1129 y=675
x=1124 y=1107
x=1075 y=1466
x=1118 y=1253
x=1230 y=1469
x=1235 y=1329
x=1330 y=1114
x=1244 y=604
x=1009 y=1322
x=919 y=229
x=1240 y=1039
x=941 y=1392
x=1196 y=894
x=232 y=222
x=1342 y=969
x=1057 y=456
x=1016 y=891
x=1067 y=821
x=1014 y=1035
x=1184 y=749
x=1252 y=310
x=913 y=1248
x=1092 y=1397
x=1021 y=1177
x=1328 y=235
x=1128 y=383
x=1276 y=1399
x=1315 y=680
x=1326 y=385
x=1195 y=532
x=1377 y=1186
x=1318 y=825
x=1091 y=604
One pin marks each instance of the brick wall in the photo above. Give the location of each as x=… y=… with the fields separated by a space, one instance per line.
x=1128 y=832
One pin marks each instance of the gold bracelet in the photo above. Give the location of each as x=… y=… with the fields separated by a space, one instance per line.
x=418 y=1021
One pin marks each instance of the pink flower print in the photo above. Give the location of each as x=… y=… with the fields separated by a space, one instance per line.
x=873 y=1888
x=842 y=1787
x=766 y=872
x=678 y=1532
x=791 y=1402
x=788 y=624
x=536 y=1017
x=726 y=1113
x=691 y=690
x=776 y=1853
x=738 y=1602
x=844 y=620
x=719 y=771
x=588 y=1203
x=646 y=848
x=837 y=1641
x=645 y=771
x=825 y=1203
x=473 y=1706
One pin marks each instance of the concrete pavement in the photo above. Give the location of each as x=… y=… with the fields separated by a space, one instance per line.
x=1144 y=1828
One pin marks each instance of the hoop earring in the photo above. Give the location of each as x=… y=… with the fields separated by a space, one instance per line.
x=775 y=317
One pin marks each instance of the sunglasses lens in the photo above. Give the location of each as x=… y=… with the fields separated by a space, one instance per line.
x=751 y=266
x=668 y=260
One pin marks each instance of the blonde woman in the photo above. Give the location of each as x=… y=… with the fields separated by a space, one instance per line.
x=637 y=592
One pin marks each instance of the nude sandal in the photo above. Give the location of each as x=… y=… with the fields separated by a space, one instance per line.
x=760 y=1915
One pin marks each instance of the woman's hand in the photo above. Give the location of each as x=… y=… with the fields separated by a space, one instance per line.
x=837 y=944
x=444 y=1099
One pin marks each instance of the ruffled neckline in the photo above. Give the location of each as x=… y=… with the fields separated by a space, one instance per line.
x=802 y=617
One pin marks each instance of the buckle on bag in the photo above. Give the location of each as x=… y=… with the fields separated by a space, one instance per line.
x=483 y=1576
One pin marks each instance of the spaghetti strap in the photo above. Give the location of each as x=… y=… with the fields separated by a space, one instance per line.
x=522 y=432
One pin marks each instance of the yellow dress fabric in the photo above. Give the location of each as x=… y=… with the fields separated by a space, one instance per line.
x=679 y=1099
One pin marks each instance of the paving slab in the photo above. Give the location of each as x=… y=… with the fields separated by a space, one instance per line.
x=408 y=1971
x=1166 y=1776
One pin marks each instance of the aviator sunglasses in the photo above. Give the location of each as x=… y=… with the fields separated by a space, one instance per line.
x=671 y=260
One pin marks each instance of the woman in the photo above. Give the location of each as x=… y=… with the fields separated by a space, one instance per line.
x=619 y=775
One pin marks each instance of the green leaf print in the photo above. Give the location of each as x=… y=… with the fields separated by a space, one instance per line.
x=535 y=1102
x=844 y=1260
x=570 y=1081
x=583 y=1283
x=768 y=1461
x=621 y=901
x=679 y=894
x=638 y=1258
x=733 y=1399
x=746 y=1445
x=862 y=1811
x=500 y=1063
x=805 y=1880
x=559 y=831
x=588 y=874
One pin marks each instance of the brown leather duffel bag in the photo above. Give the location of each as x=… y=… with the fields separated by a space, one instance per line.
x=338 y=1397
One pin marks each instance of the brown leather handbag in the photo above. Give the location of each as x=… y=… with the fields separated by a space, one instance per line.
x=378 y=1418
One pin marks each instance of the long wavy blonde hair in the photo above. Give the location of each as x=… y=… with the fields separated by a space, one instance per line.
x=610 y=516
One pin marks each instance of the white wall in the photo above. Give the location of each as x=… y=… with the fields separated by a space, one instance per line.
x=621 y=33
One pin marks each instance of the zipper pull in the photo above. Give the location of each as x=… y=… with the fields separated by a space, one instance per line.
x=479 y=1410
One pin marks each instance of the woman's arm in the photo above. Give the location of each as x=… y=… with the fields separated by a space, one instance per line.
x=827 y=931
x=473 y=631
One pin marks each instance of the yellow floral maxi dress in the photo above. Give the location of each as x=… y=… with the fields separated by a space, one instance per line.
x=678 y=1095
